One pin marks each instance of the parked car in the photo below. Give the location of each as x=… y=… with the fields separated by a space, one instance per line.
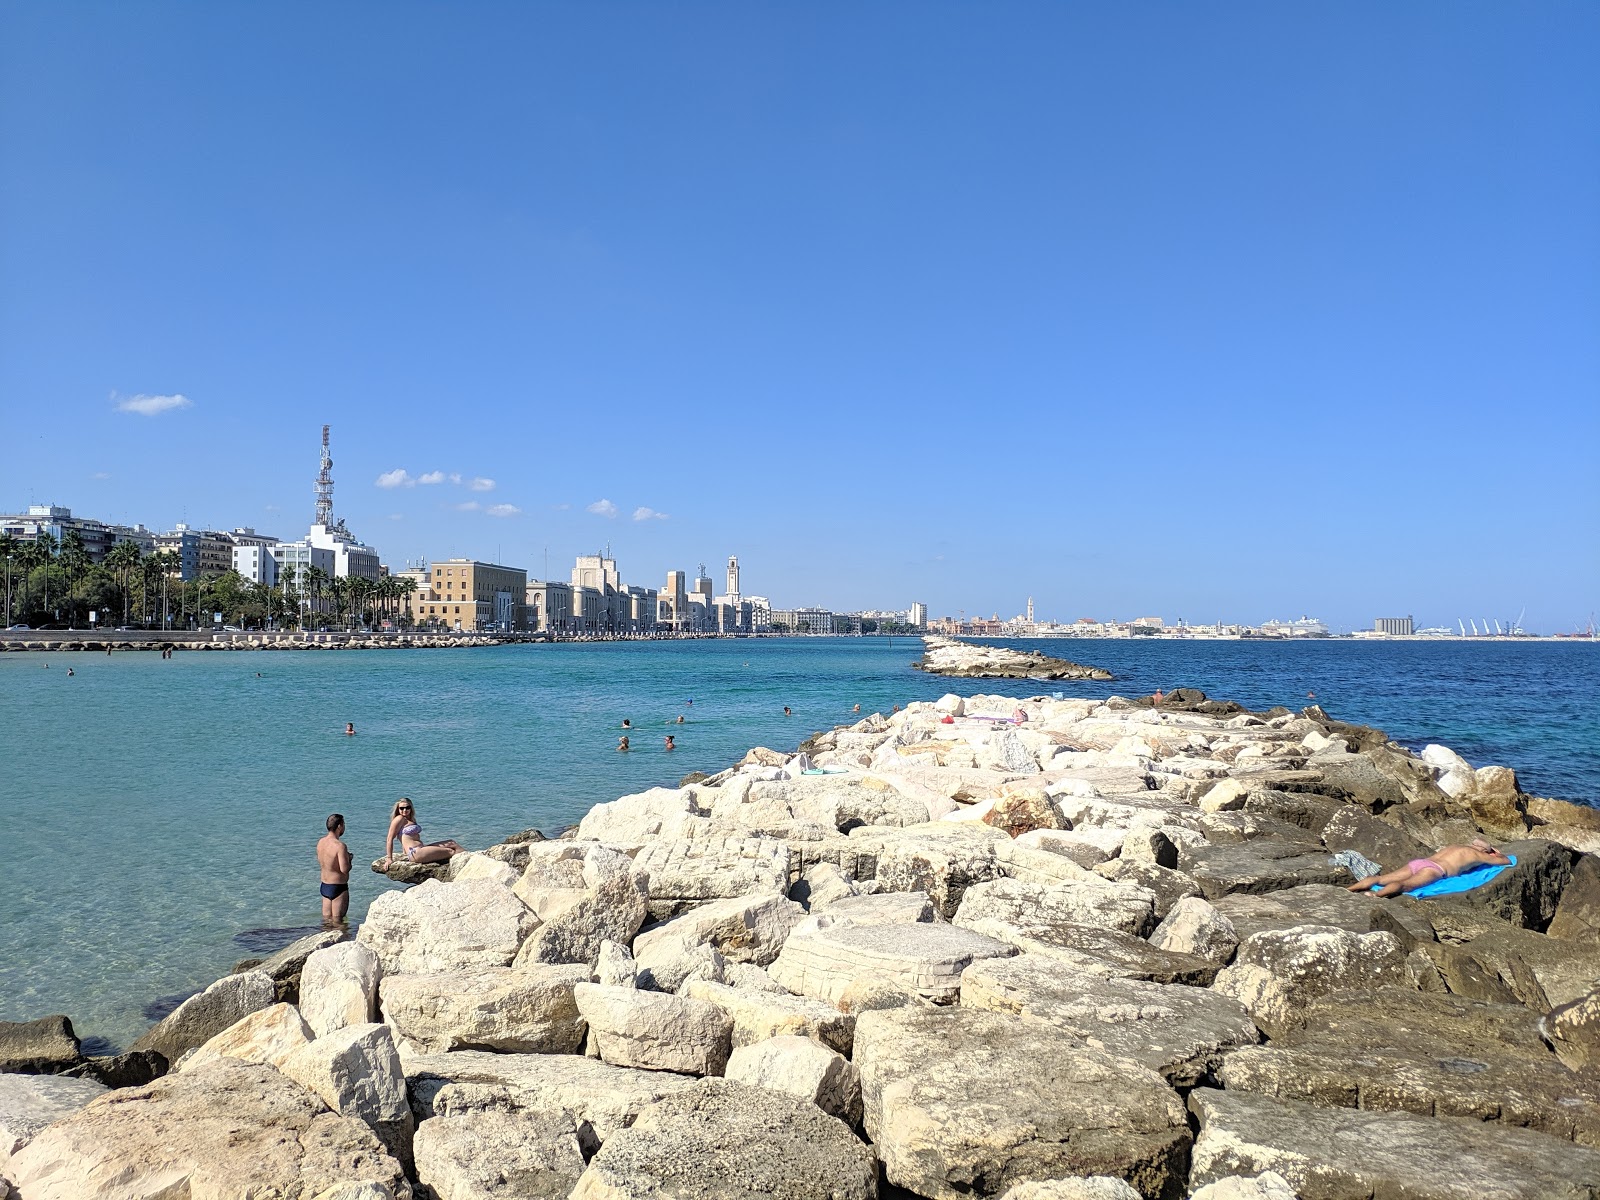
x=22 y=627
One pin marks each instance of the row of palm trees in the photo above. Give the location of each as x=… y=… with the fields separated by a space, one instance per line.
x=51 y=582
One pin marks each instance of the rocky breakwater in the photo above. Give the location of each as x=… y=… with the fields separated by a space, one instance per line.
x=963 y=660
x=1103 y=953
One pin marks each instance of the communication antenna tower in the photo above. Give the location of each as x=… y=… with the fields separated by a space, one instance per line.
x=325 y=485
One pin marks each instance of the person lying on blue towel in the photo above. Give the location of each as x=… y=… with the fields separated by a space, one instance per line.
x=1447 y=862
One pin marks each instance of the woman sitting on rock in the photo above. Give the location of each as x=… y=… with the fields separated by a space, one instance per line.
x=1446 y=863
x=403 y=825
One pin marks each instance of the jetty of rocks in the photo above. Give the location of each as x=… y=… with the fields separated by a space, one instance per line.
x=1103 y=952
x=963 y=660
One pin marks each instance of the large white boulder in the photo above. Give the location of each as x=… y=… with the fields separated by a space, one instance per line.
x=1278 y=971
x=633 y=1028
x=516 y=1010
x=356 y=1071
x=445 y=927
x=612 y=909
x=803 y=1068
x=1194 y=927
x=339 y=987
x=268 y=1035
x=749 y=929
x=639 y=817
x=499 y=1155
x=30 y=1103
x=758 y=1016
x=200 y=1018
x=822 y=958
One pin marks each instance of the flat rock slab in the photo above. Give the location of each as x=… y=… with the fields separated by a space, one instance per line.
x=654 y=1030
x=1261 y=865
x=685 y=872
x=44 y=1046
x=446 y=927
x=1126 y=907
x=1180 y=1032
x=601 y=1097
x=1102 y=952
x=749 y=929
x=1346 y=1154
x=1402 y=1051
x=524 y=1010
x=200 y=1134
x=1309 y=904
x=722 y=1140
x=821 y=959
x=961 y=1102
x=1566 y=971
x=942 y=859
x=28 y=1103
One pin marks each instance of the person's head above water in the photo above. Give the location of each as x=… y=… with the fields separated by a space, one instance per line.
x=336 y=823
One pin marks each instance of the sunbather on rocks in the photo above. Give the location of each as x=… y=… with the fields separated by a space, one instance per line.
x=1446 y=862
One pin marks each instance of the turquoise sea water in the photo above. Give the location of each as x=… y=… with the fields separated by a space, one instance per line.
x=162 y=814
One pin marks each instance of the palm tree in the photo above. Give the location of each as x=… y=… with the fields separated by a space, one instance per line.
x=8 y=554
x=123 y=559
x=315 y=579
x=74 y=561
x=404 y=586
x=339 y=591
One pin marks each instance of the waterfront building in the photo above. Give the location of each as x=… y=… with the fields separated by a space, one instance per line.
x=549 y=606
x=802 y=620
x=673 y=603
x=200 y=551
x=58 y=521
x=760 y=613
x=351 y=558
x=256 y=564
x=470 y=595
x=1394 y=626
x=643 y=604
x=918 y=617
x=733 y=580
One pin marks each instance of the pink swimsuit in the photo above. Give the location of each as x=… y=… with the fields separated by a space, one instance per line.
x=1424 y=864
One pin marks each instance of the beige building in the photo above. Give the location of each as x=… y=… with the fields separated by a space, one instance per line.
x=465 y=594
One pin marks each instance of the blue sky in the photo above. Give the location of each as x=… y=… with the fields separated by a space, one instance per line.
x=1207 y=311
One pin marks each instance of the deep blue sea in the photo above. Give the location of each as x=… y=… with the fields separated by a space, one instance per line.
x=162 y=814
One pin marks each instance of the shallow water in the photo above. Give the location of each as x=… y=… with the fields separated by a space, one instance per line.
x=163 y=814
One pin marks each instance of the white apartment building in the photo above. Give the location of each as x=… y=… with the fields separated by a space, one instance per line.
x=256 y=564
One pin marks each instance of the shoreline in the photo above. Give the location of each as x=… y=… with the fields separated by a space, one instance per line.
x=1047 y=879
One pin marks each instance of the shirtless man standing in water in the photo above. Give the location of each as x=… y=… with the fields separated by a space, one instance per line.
x=333 y=856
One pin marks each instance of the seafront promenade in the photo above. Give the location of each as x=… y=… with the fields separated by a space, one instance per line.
x=822 y=974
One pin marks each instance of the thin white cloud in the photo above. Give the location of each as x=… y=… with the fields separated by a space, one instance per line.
x=563 y=507
x=503 y=510
x=152 y=406
x=101 y=475
x=468 y=506
x=480 y=484
x=603 y=508
x=648 y=514
x=455 y=476
x=397 y=516
x=399 y=477
x=431 y=477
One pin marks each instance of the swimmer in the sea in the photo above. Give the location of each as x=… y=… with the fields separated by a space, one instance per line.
x=627 y=724
x=622 y=743
x=857 y=708
x=349 y=729
x=69 y=672
x=786 y=711
x=670 y=744
x=679 y=721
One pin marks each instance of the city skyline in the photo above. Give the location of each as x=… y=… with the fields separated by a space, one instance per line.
x=1228 y=316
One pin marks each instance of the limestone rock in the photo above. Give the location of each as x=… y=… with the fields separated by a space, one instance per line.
x=689 y=871
x=821 y=886
x=1102 y=952
x=722 y=1140
x=1088 y=847
x=941 y=859
x=499 y=1156
x=802 y=1067
x=445 y=927
x=1124 y=907
x=943 y=1105
x=1431 y=1054
x=1577 y=915
x=1095 y=1187
x=47 y=1046
x=666 y=964
x=339 y=987
x=268 y=1036
x=200 y=1018
x=639 y=817
x=1309 y=904
x=1380 y=840
x=29 y=1103
x=204 y=1132
x=1340 y=1152
x=1268 y=1185
x=602 y=1098
x=520 y=1010
x=615 y=966
x=1022 y=808
x=1563 y=971
x=749 y=929
x=821 y=959
x=760 y=1016
x=1278 y=972
x=884 y=908
x=656 y=1031
x=1574 y=1030
x=356 y=1071
x=287 y=964
x=1167 y=886
x=1195 y=927
x=868 y=993
x=1261 y=865
x=1180 y=1032
x=612 y=909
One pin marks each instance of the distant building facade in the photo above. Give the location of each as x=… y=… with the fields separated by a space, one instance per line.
x=469 y=595
x=1394 y=626
x=98 y=536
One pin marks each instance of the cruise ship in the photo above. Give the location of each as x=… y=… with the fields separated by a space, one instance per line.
x=1304 y=627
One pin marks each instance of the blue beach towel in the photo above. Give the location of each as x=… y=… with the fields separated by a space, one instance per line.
x=1464 y=882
